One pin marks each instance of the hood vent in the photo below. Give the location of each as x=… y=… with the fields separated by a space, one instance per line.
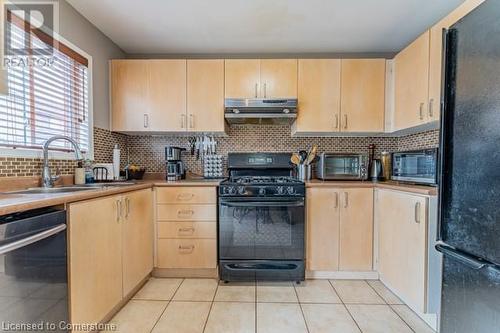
x=260 y=111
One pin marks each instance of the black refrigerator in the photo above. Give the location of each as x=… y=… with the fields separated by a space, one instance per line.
x=469 y=201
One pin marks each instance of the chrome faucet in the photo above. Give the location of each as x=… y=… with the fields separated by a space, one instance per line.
x=47 y=179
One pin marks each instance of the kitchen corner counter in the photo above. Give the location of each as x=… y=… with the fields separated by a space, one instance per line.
x=391 y=185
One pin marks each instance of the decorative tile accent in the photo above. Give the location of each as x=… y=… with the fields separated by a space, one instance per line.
x=149 y=150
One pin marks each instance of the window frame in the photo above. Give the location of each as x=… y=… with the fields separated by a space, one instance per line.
x=62 y=155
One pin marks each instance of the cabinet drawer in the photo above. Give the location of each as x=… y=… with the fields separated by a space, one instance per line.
x=187 y=212
x=184 y=195
x=187 y=253
x=187 y=230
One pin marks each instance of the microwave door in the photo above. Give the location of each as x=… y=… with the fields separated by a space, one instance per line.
x=343 y=167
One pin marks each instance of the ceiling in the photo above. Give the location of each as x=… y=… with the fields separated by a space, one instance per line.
x=262 y=26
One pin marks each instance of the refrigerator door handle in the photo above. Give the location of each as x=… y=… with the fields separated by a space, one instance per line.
x=465 y=258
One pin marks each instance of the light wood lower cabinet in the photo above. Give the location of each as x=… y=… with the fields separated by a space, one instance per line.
x=186 y=227
x=339 y=229
x=137 y=238
x=95 y=264
x=402 y=258
x=110 y=252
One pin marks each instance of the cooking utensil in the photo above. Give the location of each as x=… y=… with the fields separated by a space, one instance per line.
x=295 y=159
x=303 y=156
x=311 y=155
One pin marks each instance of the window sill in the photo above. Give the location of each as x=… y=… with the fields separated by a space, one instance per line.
x=38 y=154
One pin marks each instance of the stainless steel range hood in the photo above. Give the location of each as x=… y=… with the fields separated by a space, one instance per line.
x=260 y=111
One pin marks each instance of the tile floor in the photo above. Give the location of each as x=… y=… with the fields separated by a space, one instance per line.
x=315 y=306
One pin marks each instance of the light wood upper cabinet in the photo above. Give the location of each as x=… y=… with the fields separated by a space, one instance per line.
x=205 y=95
x=129 y=95
x=436 y=55
x=242 y=78
x=363 y=95
x=318 y=96
x=356 y=229
x=278 y=78
x=322 y=251
x=95 y=259
x=412 y=83
x=137 y=238
x=402 y=259
x=167 y=95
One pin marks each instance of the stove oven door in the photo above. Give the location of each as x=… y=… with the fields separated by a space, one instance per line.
x=261 y=230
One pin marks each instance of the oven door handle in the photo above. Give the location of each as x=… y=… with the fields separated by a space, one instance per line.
x=298 y=203
x=31 y=239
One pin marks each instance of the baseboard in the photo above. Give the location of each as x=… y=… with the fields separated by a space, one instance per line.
x=342 y=275
x=186 y=273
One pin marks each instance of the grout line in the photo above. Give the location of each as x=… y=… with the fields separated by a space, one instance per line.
x=376 y=292
x=159 y=317
x=335 y=291
x=404 y=321
x=350 y=314
x=300 y=307
x=211 y=306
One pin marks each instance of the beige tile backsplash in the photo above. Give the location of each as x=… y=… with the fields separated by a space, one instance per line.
x=149 y=150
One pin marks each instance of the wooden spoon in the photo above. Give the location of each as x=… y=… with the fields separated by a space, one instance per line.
x=295 y=159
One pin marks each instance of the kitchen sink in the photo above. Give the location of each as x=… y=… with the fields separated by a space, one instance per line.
x=48 y=190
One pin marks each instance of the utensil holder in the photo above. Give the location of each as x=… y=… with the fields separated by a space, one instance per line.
x=304 y=172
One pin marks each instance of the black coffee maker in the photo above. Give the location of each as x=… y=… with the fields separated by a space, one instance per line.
x=175 y=167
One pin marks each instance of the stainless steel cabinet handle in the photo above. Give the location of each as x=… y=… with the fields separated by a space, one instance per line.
x=336 y=200
x=127 y=207
x=189 y=248
x=421 y=111
x=191 y=121
x=265 y=90
x=183 y=121
x=336 y=121
x=118 y=210
x=146 y=121
x=345 y=121
x=346 y=199
x=431 y=112
x=256 y=90
x=185 y=196
x=189 y=229
x=417 y=212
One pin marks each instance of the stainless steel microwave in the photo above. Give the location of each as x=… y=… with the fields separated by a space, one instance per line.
x=417 y=166
x=338 y=166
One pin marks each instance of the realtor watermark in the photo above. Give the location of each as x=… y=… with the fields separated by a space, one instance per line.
x=45 y=326
x=29 y=29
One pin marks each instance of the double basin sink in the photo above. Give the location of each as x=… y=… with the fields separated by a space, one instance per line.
x=71 y=188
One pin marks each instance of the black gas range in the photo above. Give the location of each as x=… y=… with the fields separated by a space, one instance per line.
x=261 y=219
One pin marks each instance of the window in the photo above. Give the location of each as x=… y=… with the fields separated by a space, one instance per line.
x=44 y=101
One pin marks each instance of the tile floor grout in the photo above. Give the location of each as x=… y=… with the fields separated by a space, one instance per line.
x=390 y=307
x=256 y=302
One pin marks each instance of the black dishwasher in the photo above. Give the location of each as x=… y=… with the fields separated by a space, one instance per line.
x=33 y=270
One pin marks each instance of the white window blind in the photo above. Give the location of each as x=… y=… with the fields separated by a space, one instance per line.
x=44 y=101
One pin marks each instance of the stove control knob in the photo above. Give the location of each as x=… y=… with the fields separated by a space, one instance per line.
x=241 y=190
x=262 y=191
x=231 y=190
x=290 y=190
x=280 y=190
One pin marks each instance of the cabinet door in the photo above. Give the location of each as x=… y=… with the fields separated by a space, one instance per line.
x=205 y=95
x=167 y=95
x=356 y=229
x=436 y=55
x=278 y=78
x=363 y=95
x=129 y=95
x=95 y=259
x=319 y=96
x=412 y=83
x=403 y=245
x=242 y=78
x=137 y=238
x=322 y=229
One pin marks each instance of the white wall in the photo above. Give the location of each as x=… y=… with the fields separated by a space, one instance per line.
x=80 y=32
